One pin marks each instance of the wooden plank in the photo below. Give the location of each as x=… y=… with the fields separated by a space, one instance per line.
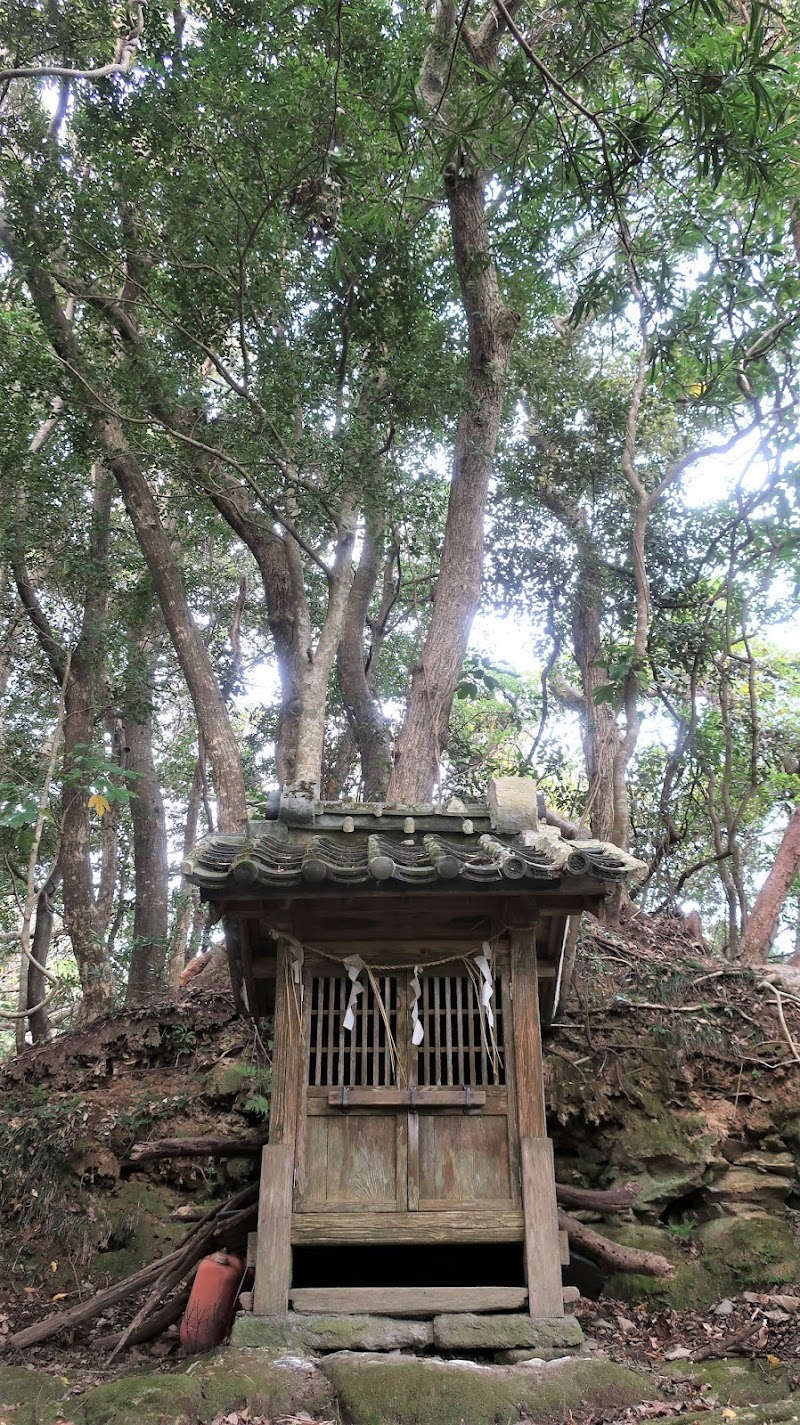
x=409 y=1300
x=527 y=1036
x=404 y=1098
x=563 y=1242
x=474 y=1225
x=462 y=1158
x=542 y=1247
x=362 y=1160
x=274 y=1250
x=252 y=1248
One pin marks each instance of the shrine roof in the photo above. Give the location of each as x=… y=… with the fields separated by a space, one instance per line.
x=312 y=844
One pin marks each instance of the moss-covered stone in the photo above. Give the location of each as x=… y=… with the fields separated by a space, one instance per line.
x=331 y=1333
x=275 y=1387
x=666 y=1153
x=734 y=1382
x=139 y=1400
x=137 y=1224
x=225 y=1081
x=740 y=1254
x=758 y=1251
x=375 y=1390
x=29 y=1397
x=468 y=1331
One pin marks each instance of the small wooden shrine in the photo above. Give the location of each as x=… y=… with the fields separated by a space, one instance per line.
x=411 y=956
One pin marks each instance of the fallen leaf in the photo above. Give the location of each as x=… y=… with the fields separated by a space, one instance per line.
x=728 y=1414
x=774 y=1360
x=678 y=1353
x=60 y=1296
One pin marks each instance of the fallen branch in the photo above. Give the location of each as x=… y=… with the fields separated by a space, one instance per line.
x=730 y=1345
x=613 y=1254
x=617 y=1199
x=221 y=1226
x=171 y=1312
x=194 y=1148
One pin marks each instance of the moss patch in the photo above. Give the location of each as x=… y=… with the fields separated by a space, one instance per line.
x=404 y=1391
x=758 y=1251
x=139 y=1400
x=734 y=1382
x=741 y=1254
x=28 y=1397
x=232 y=1379
x=138 y=1227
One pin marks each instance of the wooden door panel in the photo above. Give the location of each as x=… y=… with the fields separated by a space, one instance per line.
x=351 y=1163
x=463 y=1158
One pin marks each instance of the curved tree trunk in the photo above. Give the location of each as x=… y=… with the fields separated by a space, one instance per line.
x=38 y=1019
x=763 y=919
x=192 y=654
x=491 y=327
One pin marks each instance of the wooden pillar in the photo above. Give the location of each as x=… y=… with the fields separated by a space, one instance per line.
x=274 y=1251
x=542 y=1246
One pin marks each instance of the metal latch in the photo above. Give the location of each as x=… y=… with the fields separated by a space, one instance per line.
x=345 y=1097
x=467 y=1098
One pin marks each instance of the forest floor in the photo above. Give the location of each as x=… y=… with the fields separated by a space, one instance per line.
x=666 y=1066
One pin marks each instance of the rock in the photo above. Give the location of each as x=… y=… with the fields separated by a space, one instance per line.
x=280 y=1387
x=724 y=1308
x=140 y=1400
x=29 y=1397
x=465 y=1331
x=541 y=1353
x=743 y=1189
x=331 y=1333
x=570 y=1294
x=402 y=1390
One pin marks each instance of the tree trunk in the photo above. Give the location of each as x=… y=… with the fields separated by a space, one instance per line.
x=491 y=326
x=763 y=919
x=38 y=1019
x=364 y=712
x=599 y=731
x=150 y=866
x=209 y=705
x=80 y=907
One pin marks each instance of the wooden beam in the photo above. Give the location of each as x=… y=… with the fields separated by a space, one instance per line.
x=345 y=1098
x=408 y=1300
x=542 y=1244
x=527 y=1036
x=470 y=1225
x=273 y=1249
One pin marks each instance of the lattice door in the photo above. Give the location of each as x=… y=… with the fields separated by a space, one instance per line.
x=389 y=1126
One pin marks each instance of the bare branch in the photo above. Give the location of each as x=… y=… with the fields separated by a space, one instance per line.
x=124 y=54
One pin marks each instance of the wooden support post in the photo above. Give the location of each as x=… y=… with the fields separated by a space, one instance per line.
x=527 y=1035
x=287 y=1056
x=274 y=1250
x=542 y=1245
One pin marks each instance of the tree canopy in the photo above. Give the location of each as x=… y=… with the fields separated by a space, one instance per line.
x=321 y=327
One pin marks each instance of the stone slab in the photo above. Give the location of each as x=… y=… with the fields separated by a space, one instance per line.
x=405 y=1390
x=539 y=1353
x=466 y=1331
x=331 y=1333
